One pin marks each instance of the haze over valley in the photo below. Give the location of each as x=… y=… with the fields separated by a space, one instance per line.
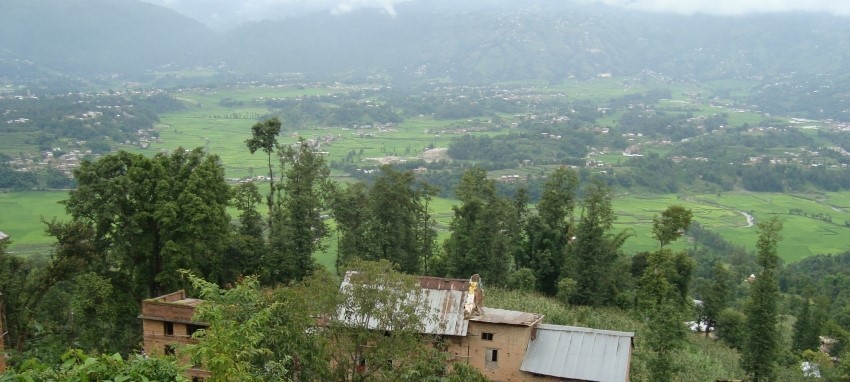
x=601 y=163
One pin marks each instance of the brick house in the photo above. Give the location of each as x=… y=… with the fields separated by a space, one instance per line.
x=507 y=345
x=504 y=345
x=167 y=323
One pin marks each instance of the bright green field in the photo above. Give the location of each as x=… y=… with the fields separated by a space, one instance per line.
x=803 y=236
x=225 y=130
x=21 y=214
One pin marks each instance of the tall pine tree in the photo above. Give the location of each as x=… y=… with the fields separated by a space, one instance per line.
x=593 y=257
x=761 y=345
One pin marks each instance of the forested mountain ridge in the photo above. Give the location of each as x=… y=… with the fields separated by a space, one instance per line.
x=476 y=42
x=94 y=36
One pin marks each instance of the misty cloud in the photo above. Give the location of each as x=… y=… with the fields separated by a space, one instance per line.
x=733 y=7
x=228 y=13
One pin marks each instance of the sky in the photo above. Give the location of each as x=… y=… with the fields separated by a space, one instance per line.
x=222 y=14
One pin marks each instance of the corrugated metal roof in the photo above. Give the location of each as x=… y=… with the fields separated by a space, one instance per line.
x=445 y=299
x=447 y=305
x=579 y=353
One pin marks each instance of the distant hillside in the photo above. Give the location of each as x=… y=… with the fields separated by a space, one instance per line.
x=477 y=41
x=94 y=36
x=542 y=39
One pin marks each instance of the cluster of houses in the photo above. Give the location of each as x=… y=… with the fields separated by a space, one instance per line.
x=504 y=345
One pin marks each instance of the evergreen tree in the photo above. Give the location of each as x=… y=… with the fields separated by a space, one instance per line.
x=478 y=242
x=395 y=229
x=761 y=345
x=388 y=221
x=807 y=327
x=298 y=227
x=349 y=209
x=662 y=298
x=548 y=232
x=593 y=257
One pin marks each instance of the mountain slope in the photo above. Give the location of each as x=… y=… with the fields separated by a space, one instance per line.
x=475 y=41
x=90 y=36
x=543 y=40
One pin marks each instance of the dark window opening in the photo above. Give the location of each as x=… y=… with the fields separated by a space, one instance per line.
x=492 y=355
x=487 y=336
x=168 y=328
x=169 y=350
x=191 y=329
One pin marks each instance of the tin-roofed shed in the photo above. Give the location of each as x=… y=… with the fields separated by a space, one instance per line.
x=581 y=354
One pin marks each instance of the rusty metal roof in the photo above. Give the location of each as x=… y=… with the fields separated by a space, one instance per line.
x=579 y=353
x=447 y=306
x=508 y=317
x=445 y=300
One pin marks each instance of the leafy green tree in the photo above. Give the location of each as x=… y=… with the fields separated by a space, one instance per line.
x=26 y=283
x=717 y=296
x=592 y=257
x=349 y=210
x=78 y=366
x=661 y=305
x=671 y=225
x=478 y=242
x=299 y=226
x=523 y=280
x=256 y=334
x=761 y=347
x=394 y=229
x=807 y=328
x=245 y=199
x=548 y=232
x=731 y=327
x=152 y=216
x=558 y=199
x=264 y=137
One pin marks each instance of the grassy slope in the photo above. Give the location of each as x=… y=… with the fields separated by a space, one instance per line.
x=700 y=360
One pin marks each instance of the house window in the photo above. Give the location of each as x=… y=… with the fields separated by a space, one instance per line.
x=487 y=336
x=491 y=358
x=191 y=329
x=168 y=328
x=169 y=350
